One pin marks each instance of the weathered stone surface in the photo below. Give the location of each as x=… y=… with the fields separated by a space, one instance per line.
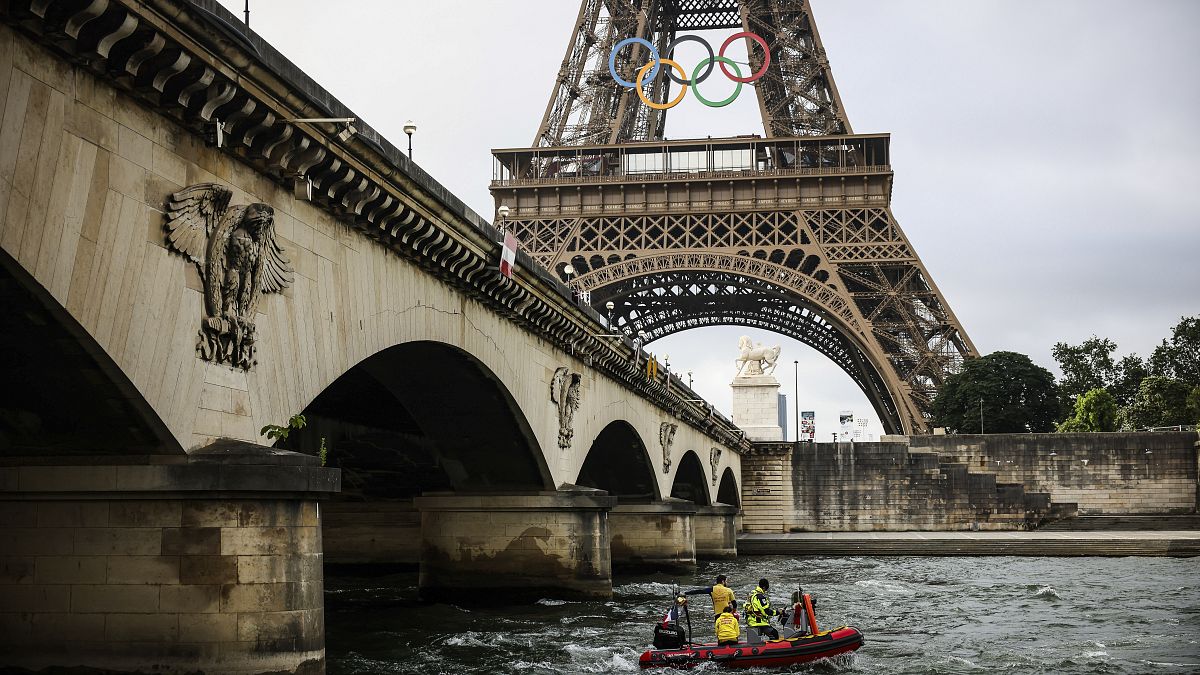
x=716 y=532
x=653 y=537
x=1002 y=481
x=489 y=548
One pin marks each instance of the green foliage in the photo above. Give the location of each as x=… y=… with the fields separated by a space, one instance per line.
x=1090 y=365
x=1131 y=370
x=276 y=432
x=1179 y=357
x=1160 y=402
x=323 y=452
x=1094 y=411
x=1085 y=366
x=1018 y=396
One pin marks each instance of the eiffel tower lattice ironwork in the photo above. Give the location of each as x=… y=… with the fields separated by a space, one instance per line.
x=792 y=232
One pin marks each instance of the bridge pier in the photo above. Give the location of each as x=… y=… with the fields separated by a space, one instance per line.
x=658 y=536
x=515 y=546
x=716 y=532
x=209 y=563
x=374 y=532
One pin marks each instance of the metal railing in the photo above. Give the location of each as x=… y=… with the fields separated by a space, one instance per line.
x=733 y=174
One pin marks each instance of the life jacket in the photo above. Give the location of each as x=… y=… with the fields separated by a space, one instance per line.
x=759 y=612
x=722 y=596
x=727 y=627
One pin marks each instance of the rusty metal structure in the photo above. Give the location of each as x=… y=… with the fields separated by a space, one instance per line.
x=790 y=232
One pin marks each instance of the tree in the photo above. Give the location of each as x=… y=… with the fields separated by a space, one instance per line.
x=1085 y=366
x=1131 y=370
x=1094 y=411
x=1179 y=357
x=1160 y=402
x=1018 y=396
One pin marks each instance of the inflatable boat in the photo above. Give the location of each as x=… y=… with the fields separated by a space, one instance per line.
x=800 y=642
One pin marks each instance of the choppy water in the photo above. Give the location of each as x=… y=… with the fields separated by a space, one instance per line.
x=919 y=615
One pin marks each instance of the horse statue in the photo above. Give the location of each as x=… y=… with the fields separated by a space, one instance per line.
x=758 y=358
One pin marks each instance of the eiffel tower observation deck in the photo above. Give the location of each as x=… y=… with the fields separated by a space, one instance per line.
x=791 y=231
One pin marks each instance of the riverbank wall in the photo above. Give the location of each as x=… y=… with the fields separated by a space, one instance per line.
x=969 y=482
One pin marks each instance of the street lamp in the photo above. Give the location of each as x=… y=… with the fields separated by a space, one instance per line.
x=796 y=397
x=503 y=211
x=980 y=415
x=410 y=128
x=610 y=306
x=689 y=379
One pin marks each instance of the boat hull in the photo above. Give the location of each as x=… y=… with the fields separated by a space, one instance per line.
x=765 y=655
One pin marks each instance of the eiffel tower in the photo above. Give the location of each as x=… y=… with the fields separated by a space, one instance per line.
x=791 y=231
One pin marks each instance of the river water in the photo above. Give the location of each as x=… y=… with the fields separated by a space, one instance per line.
x=919 y=615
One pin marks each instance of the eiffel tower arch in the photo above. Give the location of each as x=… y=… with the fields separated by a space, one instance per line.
x=791 y=231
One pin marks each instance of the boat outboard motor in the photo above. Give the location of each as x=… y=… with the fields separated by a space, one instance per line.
x=668 y=634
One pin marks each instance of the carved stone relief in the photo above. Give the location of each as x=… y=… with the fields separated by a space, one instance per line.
x=239 y=259
x=666 y=437
x=564 y=392
x=714 y=459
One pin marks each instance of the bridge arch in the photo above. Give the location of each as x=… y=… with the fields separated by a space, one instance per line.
x=666 y=294
x=394 y=423
x=689 y=482
x=66 y=395
x=619 y=463
x=728 y=492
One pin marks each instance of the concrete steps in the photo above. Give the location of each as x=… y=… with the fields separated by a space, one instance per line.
x=1125 y=523
x=1165 y=543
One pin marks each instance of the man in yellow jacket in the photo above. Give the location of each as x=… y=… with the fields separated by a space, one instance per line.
x=727 y=626
x=721 y=594
x=759 y=611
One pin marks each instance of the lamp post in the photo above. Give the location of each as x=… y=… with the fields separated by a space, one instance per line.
x=689 y=379
x=980 y=415
x=796 y=397
x=410 y=128
x=610 y=306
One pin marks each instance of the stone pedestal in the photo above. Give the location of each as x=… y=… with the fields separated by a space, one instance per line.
x=756 y=407
x=513 y=547
x=658 y=536
x=716 y=532
x=196 y=564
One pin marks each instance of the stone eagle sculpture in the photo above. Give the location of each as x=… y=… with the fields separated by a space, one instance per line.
x=564 y=393
x=239 y=259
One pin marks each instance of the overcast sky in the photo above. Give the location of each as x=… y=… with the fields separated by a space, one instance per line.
x=1047 y=152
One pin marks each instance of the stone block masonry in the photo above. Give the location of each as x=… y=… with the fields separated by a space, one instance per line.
x=227 y=579
x=1105 y=474
x=946 y=483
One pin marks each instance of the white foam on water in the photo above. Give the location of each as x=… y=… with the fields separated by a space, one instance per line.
x=959 y=661
x=1047 y=592
x=886 y=586
x=644 y=588
x=551 y=602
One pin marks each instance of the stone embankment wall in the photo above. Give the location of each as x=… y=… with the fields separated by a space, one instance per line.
x=993 y=482
x=1105 y=474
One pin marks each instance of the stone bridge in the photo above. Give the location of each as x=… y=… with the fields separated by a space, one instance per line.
x=184 y=261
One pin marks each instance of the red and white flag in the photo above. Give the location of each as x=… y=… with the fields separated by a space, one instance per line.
x=508 y=255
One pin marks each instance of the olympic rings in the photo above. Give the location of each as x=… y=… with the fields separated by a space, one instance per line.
x=612 y=60
x=682 y=91
x=649 y=71
x=695 y=80
x=766 y=56
x=732 y=97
